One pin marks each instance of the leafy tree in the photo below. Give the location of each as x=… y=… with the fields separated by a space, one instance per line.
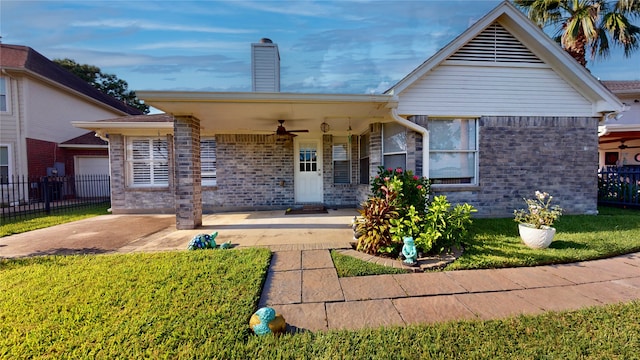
x=593 y=25
x=107 y=83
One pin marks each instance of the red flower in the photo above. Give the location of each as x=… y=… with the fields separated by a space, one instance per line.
x=419 y=187
x=389 y=169
x=399 y=170
x=415 y=177
x=387 y=178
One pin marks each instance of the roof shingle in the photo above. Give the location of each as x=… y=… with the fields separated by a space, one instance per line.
x=24 y=57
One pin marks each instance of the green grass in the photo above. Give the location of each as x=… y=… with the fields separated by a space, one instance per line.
x=197 y=304
x=347 y=266
x=171 y=304
x=43 y=221
x=495 y=242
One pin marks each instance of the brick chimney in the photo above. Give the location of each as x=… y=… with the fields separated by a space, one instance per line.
x=265 y=66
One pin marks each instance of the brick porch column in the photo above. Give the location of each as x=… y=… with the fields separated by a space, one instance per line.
x=188 y=181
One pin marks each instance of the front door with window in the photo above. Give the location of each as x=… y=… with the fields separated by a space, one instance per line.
x=308 y=170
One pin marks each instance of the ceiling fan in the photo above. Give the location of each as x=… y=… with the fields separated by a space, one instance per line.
x=623 y=146
x=282 y=131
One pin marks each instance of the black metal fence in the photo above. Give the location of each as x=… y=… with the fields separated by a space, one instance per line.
x=23 y=196
x=619 y=186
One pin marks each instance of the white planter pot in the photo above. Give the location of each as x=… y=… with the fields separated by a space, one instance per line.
x=536 y=238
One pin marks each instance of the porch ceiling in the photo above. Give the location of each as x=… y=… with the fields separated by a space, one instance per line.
x=259 y=112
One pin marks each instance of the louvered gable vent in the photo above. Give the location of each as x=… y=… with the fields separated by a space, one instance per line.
x=495 y=44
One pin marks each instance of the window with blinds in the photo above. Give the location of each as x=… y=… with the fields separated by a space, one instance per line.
x=341 y=163
x=453 y=151
x=148 y=161
x=208 y=162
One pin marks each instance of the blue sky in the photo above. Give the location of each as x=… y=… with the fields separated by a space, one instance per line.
x=349 y=46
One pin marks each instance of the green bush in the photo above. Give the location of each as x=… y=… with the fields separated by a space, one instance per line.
x=445 y=227
x=412 y=190
x=374 y=223
x=400 y=207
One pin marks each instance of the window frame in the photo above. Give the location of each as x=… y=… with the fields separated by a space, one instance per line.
x=344 y=140
x=212 y=175
x=153 y=183
x=475 y=151
x=362 y=157
x=9 y=164
x=5 y=96
x=385 y=154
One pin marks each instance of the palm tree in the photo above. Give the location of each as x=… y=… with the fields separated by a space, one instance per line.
x=593 y=25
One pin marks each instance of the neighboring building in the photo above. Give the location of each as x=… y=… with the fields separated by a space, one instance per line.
x=38 y=101
x=500 y=112
x=620 y=135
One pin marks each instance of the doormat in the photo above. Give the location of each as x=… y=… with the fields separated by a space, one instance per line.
x=306 y=211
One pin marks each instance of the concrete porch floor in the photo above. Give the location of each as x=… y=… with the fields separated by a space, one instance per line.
x=131 y=233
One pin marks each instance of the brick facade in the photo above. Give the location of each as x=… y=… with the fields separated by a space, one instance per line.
x=42 y=155
x=519 y=155
x=254 y=172
x=127 y=200
x=188 y=182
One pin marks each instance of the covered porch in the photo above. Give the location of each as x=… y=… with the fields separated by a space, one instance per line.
x=272 y=150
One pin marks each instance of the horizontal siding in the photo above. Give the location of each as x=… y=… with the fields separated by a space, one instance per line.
x=265 y=69
x=492 y=90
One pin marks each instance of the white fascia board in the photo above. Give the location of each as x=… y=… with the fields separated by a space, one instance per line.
x=81 y=146
x=614 y=128
x=93 y=125
x=151 y=97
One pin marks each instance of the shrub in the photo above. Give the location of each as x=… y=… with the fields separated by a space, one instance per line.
x=374 y=223
x=412 y=189
x=399 y=207
x=446 y=227
x=439 y=229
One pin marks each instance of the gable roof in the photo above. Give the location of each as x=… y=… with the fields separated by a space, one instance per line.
x=538 y=46
x=25 y=59
x=88 y=140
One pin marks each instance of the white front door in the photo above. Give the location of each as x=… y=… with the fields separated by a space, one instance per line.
x=308 y=170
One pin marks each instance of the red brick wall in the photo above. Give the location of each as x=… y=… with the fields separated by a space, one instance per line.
x=44 y=154
x=41 y=155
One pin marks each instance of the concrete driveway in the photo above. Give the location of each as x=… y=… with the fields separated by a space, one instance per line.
x=132 y=233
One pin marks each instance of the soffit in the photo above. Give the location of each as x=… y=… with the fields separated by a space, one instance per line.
x=260 y=112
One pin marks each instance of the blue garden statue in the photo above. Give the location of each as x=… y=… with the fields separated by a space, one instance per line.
x=266 y=321
x=409 y=251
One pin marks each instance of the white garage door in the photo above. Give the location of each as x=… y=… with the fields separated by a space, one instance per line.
x=92 y=176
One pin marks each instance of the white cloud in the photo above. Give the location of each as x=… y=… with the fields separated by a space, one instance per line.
x=146 y=25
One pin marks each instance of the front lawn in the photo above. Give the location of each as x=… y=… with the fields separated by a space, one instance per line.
x=197 y=304
x=495 y=242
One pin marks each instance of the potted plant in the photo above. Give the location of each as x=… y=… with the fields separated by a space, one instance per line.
x=535 y=222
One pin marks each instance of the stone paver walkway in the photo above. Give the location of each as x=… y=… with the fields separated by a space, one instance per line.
x=304 y=287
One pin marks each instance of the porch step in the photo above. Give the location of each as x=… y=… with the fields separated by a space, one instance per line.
x=313 y=207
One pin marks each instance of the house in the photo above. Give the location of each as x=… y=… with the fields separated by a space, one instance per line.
x=38 y=100
x=500 y=112
x=620 y=135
